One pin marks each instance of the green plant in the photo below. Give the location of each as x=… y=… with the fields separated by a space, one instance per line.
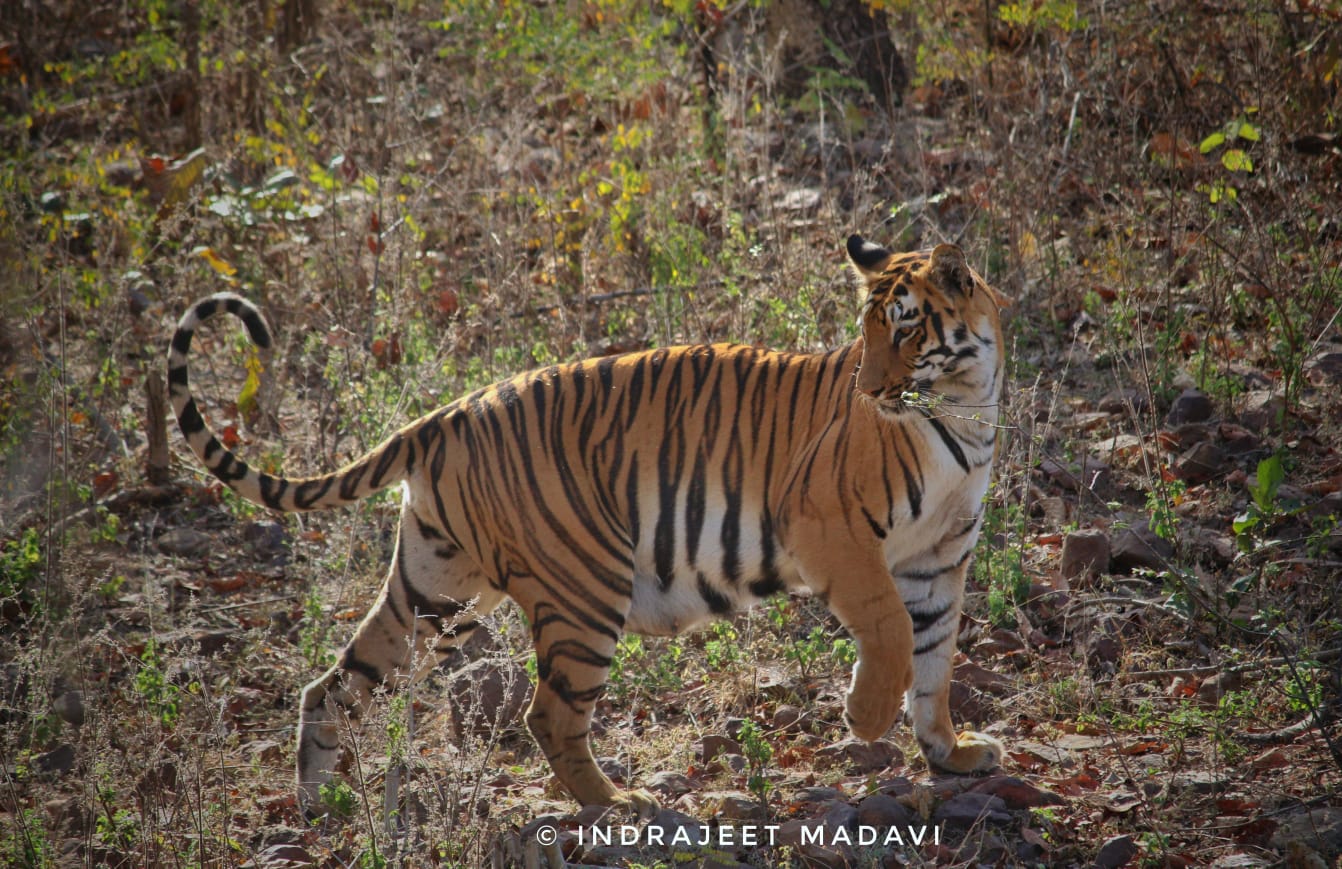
x=1001 y=568
x=1234 y=160
x=722 y=649
x=1263 y=508
x=19 y=564
x=757 y=752
x=338 y=798
x=153 y=685
x=1161 y=501
x=26 y=845
x=314 y=637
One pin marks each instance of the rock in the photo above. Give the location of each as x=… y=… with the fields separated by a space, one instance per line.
x=1125 y=401
x=859 y=756
x=1138 y=547
x=282 y=856
x=1237 y=440
x=1092 y=474
x=1214 y=688
x=1209 y=545
x=970 y=809
x=615 y=768
x=733 y=805
x=789 y=717
x=1085 y=553
x=1192 y=405
x=1105 y=649
x=800 y=199
x=1017 y=793
x=186 y=542
x=56 y=762
x=1200 y=781
x=1318 y=829
x=982 y=679
x=673 y=784
x=884 y=811
x=70 y=707
x=488 y=693
x=267 y=539
x=811 y=849
x=1186 y=436
x=1262 y=410
x=1200 y=463
x=1325 y=369
x=1240 y=861
x=1116 y=852
x=817 y=794
x=714 y=744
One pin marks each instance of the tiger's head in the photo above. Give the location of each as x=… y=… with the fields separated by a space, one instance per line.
x=929 y=326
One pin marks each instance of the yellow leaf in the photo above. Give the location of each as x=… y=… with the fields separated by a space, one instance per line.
x=182 y=175
x=1029 y=247
x=218 y=263
x=247 y=395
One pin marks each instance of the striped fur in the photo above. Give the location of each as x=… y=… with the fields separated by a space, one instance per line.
x=649 y=492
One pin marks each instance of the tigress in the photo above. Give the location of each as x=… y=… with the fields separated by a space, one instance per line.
x=653 y=490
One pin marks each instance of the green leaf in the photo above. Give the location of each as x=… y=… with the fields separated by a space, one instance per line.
x=1248 y=132
x=1236 y=161
x=1212 y=142
x=1270 y=476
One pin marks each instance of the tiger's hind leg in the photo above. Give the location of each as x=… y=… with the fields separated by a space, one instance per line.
x=936 y=622
x=574 y=644
x=428 y=607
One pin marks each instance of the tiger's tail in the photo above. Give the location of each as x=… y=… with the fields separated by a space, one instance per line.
x=385 y=465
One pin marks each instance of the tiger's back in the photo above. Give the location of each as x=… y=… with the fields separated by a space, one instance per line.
x=650 y=491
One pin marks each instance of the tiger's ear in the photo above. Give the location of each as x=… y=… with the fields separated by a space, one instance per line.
x=867 y=260
x=949 y=271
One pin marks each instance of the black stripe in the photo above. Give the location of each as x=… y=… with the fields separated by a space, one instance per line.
x=947 y=438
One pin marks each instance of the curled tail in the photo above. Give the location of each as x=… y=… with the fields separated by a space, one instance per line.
x=386 y=464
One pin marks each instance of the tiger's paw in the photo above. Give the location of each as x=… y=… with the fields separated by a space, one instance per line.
x=638 y=803
x=973 y=753
x=871 y=717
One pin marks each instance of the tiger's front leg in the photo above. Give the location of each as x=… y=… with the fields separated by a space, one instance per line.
x=859 y=592
x=936 y=624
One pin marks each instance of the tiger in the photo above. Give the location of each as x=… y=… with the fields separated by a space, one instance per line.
x=652 y=491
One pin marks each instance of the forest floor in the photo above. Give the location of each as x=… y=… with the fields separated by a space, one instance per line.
x=427 y=198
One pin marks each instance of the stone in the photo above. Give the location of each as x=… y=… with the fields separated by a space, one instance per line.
x=1125 y=401
x=883 y=811
x=714 y=744
x=1200 y=781
x=1092 y=474
x=281 y=856
x=56 y=762
x=1017 y=793
x=267 y=539
x=817 y=794
x=733 y=805
x=1117 y=852
x=1325 y=369
x=70 y=707
x=1085 y=553
x=1319 y=829
x=185 y=542
x=673 y=784
x=1138 y=547
x=971 y=809
x=1200 y=463
x=860 y=756
x=1192 y=405
x=487 y=693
